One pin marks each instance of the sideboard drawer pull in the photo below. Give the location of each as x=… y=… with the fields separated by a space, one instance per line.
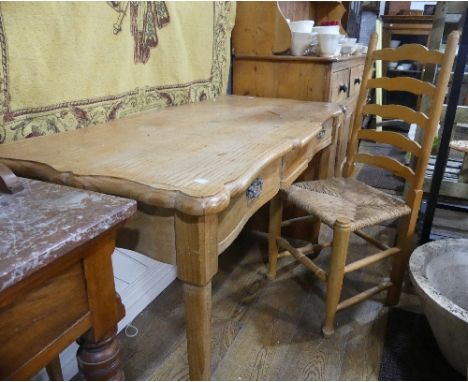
x=321 y=134
x=255 y=189
x=343 y=88
x=357 y=81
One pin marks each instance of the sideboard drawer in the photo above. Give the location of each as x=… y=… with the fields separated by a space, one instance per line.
x=355 y=80
x=339 y=86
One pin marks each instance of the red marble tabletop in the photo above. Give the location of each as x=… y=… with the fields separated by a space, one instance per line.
x=45 y=221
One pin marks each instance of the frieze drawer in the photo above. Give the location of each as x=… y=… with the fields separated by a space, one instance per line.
x=260 y=190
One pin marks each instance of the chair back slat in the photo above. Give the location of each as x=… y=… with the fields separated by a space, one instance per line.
x=391 y=138
x=436 y=107
x=413 y=52
x=429 y=123
x=387 y=163
x=398 y=112
x=403 y=84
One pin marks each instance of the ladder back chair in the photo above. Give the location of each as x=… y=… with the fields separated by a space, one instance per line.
x=348 y=205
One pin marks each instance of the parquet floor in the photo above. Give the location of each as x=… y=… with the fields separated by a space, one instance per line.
x=265 y=330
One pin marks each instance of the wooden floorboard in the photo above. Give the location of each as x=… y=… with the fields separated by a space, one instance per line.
x=265 y=330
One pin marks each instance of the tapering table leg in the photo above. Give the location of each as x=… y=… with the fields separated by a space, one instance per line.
x=99 y=361
x=198 y=324
x=197 y=263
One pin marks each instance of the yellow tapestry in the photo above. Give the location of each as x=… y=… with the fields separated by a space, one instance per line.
x=66 y=65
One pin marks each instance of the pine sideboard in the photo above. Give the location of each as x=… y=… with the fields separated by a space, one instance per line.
x=262 y=66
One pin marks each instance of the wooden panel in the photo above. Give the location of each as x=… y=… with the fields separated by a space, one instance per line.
x=391 y=138
x=241 y=208
x=38 y=318
x=397 y=112
x=260 y=28
x=297 y=10
x=281 y=79
x=387 y=163
x=414 y=52
x=339 y=86
x=297 y=161
x=150 y=232
x=355 y=80
x=405 y=84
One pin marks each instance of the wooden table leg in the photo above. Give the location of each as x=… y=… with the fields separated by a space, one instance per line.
x=197 y=263
x=54 y=370
x=99 y=353
x=198 y=326
x=99 y=361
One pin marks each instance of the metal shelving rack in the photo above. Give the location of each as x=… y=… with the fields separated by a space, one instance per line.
x=443 y=153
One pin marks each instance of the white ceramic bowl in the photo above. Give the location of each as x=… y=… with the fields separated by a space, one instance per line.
x=329 y=44
x=439 y=271
x=347 y=40
x=360 y=49
x=327 y=29
x=302 y=26
x=394 y=43
x=300 y=41
x=347 y=49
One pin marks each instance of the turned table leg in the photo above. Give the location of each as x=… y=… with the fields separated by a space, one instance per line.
x=99 y=361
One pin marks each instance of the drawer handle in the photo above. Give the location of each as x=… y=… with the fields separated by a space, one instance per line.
x=343 y=88
x=321 y=134
x=255 y=189
x=357 y=81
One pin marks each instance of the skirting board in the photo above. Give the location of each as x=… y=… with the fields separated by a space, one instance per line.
x=138 y=280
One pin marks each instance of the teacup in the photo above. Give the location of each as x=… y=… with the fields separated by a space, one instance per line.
x=328 y=44
x=327 y=29
x=303 y=26
x=300 y=41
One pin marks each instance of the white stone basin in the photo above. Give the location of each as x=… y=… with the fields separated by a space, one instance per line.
x=439 y=271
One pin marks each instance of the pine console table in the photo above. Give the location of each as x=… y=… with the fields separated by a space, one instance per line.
x=198 y=172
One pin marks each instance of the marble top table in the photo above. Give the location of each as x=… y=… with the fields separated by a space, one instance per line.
x=56 y=279
x=45 y=221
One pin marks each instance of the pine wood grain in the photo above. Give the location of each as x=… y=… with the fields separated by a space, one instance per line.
x=391 y=138
x=185 y=157
x=413 y=52
x=404 y=84
x=388 y=163
x=398 y=112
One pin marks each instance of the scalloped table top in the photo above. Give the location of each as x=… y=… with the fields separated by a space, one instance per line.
x=208 y=149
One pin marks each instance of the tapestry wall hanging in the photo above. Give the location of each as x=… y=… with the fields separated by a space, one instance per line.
x=66 y=65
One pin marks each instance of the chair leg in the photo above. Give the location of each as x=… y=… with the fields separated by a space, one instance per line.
x=341 y=233
x=400 y=261
x=274 y=231
x=315 y=231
